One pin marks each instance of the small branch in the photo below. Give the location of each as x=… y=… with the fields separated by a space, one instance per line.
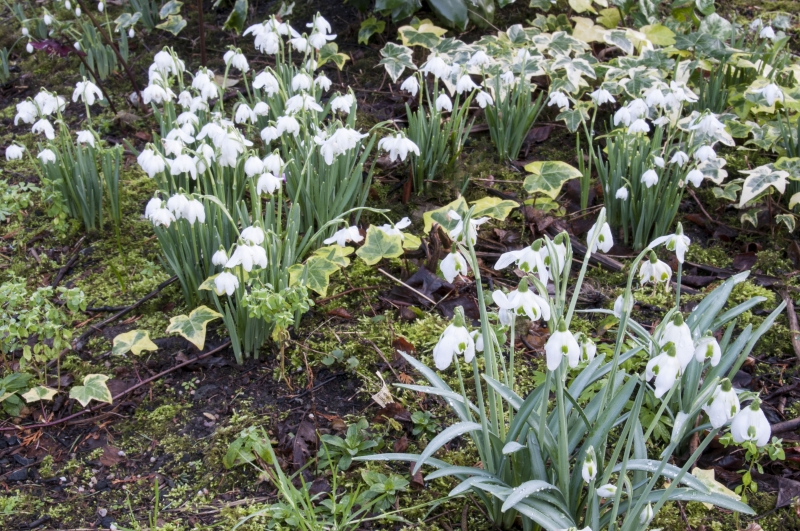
x=381 y=271
x=793 y=326
x=789 y=425
x=345 y=292
x=71 y=262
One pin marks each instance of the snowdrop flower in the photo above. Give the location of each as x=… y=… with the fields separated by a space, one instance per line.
x=665 y=368
x=220 y=257
x=443 y=103
x=320 y=25
x=253 y=235
x=479 y=58
x=680 y=158
x=771 y=93
x=86 y=137
x=483 y=98
x=523 y=301
x=654 y=270
x=654 y=98
x=695 y=177
x=767 y=33
x=156 y=94
x=44 y=127
x=607 y=491
x=287 y=124
x=756 y=25
x=601 y=96
x=622 y=194
x=237 y=60
x=48 y=103
x=14 y=152
x=47 y=19
x=410 y=85
x=455 y=340
x=507 y=78
x=194 y=211
x=677 y=242
x=87 y=91
x=397 y=228
x=527 y=260
x=661 y=121
x=162 y=217
x=154 y=204
x=168 y=64
x=267 y=82
x=705 y=153
x=177 y=204
x=131 y=33
x=638 y=126
x=604 y=239
x=649 y=178
x=723 y=404
x=302 y=102
x=454 y=265
x=558 y=99
x=261 y=109
x=622 y=116
x=435 y=65
x=29 y=47
x=318 y=40
x=707 y=349
x=301 y=81
x=658 y=161
x=244 y=114
x=26 y=112
x=100 y=6
x=561 y=344
x=678 y=333
x=300 y=44
x=589 y=469
x=46 y=156
x=342 y=236
x=270 y=133
x=750 y=424
x=587 y=346
x=184 y=164
x=267 y=183
x=25 y=31
x=398 y=147
x=204 y=82
x=247 y=256
x=618 y=306
x=253 y=166
x=226 y=283
x=638 y=108
x=708 y=125
x=77 y=13
x=457 y=234
x=342 y=104
x=465 y=84
x=274 y=164
x=152 y=163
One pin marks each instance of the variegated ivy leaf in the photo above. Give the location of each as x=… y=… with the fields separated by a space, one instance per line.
x=706 y=7
x=411 y=242
x=573 y=117
x=730 y=191
x=716 y=26
x=786 y=219
x=610 y=18
x=173 y=7
x=396 y=58
x=425 y=34
x=547 y=177
x=790 y=165
x=94 y=388
x=452 y=47
x=315 y=274
x=712 y=169
x=759 y=180
x=581 y=6
x=764 y=136
x=209 y=284
x=640 y=80
x=714 y=486
x=330 y=52
x=439 y=215
x=39 y=393
x=587 y=31
x=174 y=24
x=126 y=20
x=619 y=39
x=493 y=207
x=379 y=245
x=370 y=27
x=794 y=200
x=751 y=217
x=134 y=341
x=193 y=326
x=336 y=254
x=659 y=34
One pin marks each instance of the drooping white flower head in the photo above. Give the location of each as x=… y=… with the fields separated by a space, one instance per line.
x=677 y=332
x=607 y=491
x=654 y=271
x=226 y=283
x=267 y=184
x=723 y=404
x=707 y=349
x=695 y=177
x=619 y=304
x=220 y=257
x=604 y=241
x=680 y=158
x=245 y=115
x=194 y=211
x=601 y=96
x=162 y=216
x=270 y=134
x=559 y=99
x=184 y=163
x=86 y=137
x=560 y=345
x=237 y=60
x=26 y=112
x=301 y=81
x=767 y=33
x=455 y=340
x=484 y=98
x=771 y=93
x=665 y=368
x=46 y=156
x=622 y=116
x=14 y=152
x=287 y=124
x=638 y=126
x=589 y=468
x=342 y=236
x=587 y=346
x=44 y=127
x=410 y=85
x=398 y=147
x=622 y=193
x=177 y=204
x=465 y=84
x=750 y=424
x=523 y=301
x=677 y=242
x=453 y=265
x=87 y=91
x=274 y=164
x=479 y=58
x=443 y=103
x=151 y=162
x=253 y=166
x=458 y=232
x=342 y=104
x=649 y=178
x=248 y=256
x=267 y=82
x=253 y=235
x=705 y=153
x=436 y=65
x=654 y=98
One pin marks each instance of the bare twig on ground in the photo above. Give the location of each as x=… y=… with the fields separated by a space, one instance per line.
x=384 y=273
x=70 y=262
x=793 y=326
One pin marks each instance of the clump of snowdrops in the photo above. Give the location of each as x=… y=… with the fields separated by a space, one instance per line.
x=583 y=462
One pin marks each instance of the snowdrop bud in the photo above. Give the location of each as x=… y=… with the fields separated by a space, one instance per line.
x=226 y=283
x=723 y=404
x=253 y=235
x=77 y=46
x=29 y=48
x=658 y=161
x=604 y=240
x=654 y=270
x=220 y=257
x=100 y=7
x=443 y=103
x=750 y=424
x=649 y=178
x=47 y=19
x=607 y=491
x=131 y=33
x=695 y=177
x=665 y=368
x=707 y=349
x=618 y=306
x=14 y=152
x=646 y=514
x=622 y=193
x=455 y=340
x=25 y=31
x=589 y=470
x=78 y=11
x=561 y=344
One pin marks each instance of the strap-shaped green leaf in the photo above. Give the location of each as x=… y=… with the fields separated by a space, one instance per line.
x=443 y=438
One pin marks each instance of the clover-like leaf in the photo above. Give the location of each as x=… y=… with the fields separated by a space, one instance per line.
x=193 y=326
x=316 y=271
x=39 y=393
x=547 y=177
x=759 y=180
x=379 y=245
x=94 y=388
x=494 y=207
x=134 y=341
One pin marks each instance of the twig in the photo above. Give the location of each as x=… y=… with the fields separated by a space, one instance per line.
x=304 y=393
x=82 y=412
x=788 y=425
x=793 y=326
x=383 y=357
x=381 y=271
x=345 y=292
x=71 y=262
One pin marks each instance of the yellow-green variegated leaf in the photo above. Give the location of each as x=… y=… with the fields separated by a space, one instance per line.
x=94 y=388
x=411 y=242
x=759 y=180
x=426 y=34
x=789 y=165
x=610 y=17
x=706 y=477
x=209 y=285
x=493 y=207
x=193 y=326
x=379 y=245
x=786 y=219
x=330 y=52
x=547 y=177
x=659 y=34
x=316 y=271
x=440 y=215
x=794 y=200
x=39 y=393
x=134 y=341
x=587 y=31
x=580 y=6
x=336 y=254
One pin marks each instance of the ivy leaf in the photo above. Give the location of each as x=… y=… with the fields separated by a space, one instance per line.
x=587 y=31
x=795 y=200
x=94 y=388
x=609 y=17
x=174 y=24
x=659 y=34
x=193 y=326
x=730 y=191
x=134 y=341
x=39 y=393
x=317 y=272
x=716 y=26
x=173 y=7
x=620 y=40
x=370 y=27
x=580 y=6
x=440 y=215
x=396 y=58
x=426 y=34
x=209 y=285
x=379 y=245
x=399 y=9
x=411 y=242
x=494 y=207
x=786 y=219
x=237 y=17
x=126 y=20
x=790 y=165
x=759 y=180
x=330 y=52
x=454 y=12
x=713 y=170
x=334 y=253
x=547 y=177
x=706 y=7
x=573 y=118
